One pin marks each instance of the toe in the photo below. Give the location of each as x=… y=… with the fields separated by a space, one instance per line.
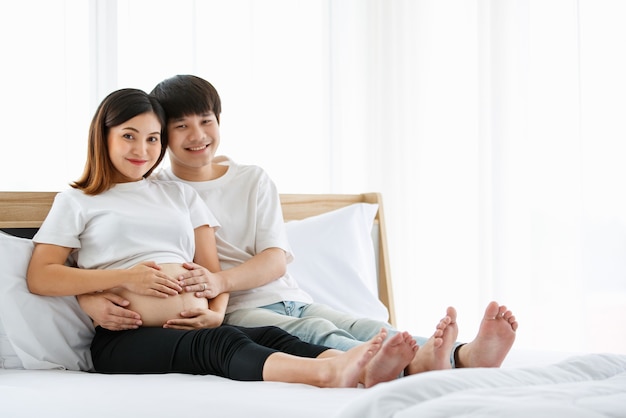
x=492 y=310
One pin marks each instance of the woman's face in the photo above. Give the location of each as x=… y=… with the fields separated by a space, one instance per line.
x=135 y=146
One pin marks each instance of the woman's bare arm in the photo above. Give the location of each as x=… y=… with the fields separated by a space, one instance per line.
x=206 y=264
x=206 y=256
x=48 y=275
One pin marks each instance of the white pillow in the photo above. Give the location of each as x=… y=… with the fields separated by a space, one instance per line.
x=335 y=260
x=8 y=357
x=45 y=332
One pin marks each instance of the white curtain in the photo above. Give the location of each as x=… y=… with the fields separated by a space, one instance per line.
x=493 y=128
x=45 y=92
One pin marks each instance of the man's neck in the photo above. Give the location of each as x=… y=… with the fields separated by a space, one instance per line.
x=205 y=173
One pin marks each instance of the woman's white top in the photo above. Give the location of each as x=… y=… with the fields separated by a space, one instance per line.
x=147 y=220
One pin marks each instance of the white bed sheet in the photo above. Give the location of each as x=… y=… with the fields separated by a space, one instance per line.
x=72 y=394
x=555 y=385
x=590 y=386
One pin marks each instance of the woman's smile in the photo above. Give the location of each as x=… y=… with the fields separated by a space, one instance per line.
x=136 y=161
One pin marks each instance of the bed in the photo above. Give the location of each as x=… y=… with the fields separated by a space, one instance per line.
x=44 y=354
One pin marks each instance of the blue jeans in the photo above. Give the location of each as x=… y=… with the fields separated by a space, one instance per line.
x=316 y=323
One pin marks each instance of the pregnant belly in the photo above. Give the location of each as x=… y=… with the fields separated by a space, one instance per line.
x=156 y=311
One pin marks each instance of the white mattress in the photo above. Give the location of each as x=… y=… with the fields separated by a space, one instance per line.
x=589 y=386
x=67 y=394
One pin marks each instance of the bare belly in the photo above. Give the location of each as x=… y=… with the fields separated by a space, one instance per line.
x=156 y=311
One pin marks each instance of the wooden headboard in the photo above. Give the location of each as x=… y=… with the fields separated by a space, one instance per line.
x=29 y=209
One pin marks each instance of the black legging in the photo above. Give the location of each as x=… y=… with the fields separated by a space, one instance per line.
x=234 y=352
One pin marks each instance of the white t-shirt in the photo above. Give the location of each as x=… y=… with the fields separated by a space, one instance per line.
x=247 y=204
x=148 y=220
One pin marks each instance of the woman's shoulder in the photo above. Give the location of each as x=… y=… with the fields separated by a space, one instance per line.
x=164 y=183
x=171 y=187
x=70 y=203
x=71 y=194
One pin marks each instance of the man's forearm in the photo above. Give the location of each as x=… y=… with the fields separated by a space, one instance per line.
x=261 y=269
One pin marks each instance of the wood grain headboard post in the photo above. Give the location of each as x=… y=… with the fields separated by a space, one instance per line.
x=24 y=209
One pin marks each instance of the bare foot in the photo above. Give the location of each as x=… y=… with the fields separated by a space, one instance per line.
x=494 y=340
x=435 y=354
x=345 y=369
x=395 y=354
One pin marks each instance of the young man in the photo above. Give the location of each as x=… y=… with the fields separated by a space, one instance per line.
x=254 y=252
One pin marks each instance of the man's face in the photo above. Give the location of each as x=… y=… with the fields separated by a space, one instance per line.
x=193 y=140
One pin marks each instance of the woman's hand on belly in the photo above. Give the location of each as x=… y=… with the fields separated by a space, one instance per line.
x=157 y=311
x=149 y=279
